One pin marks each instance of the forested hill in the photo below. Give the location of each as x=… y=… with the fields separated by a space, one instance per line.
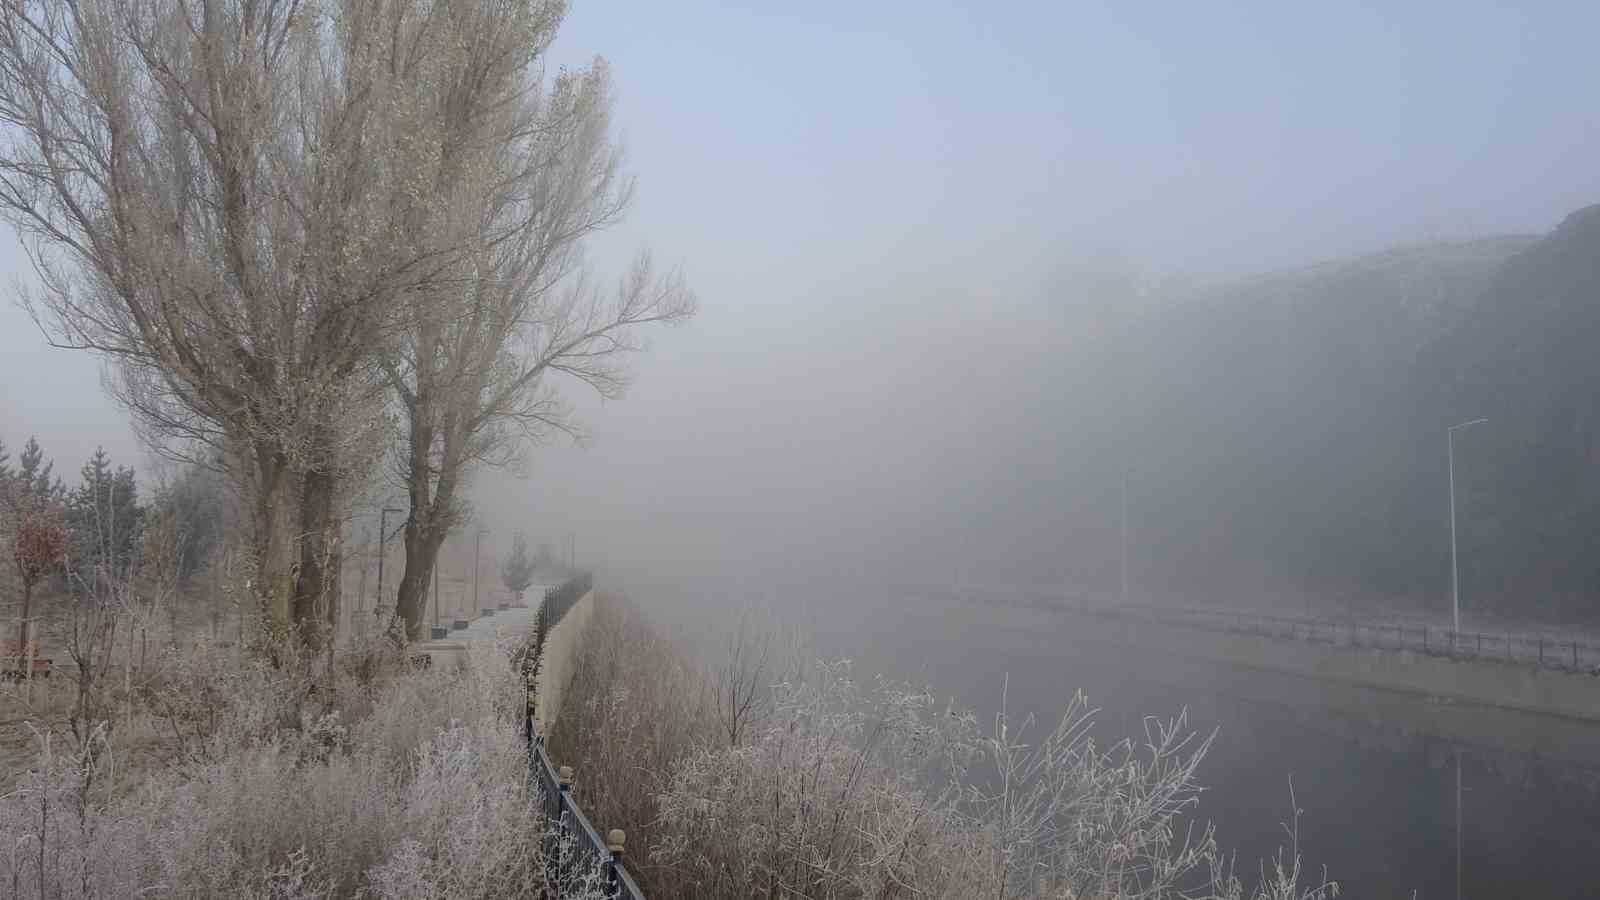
x=1284 y=435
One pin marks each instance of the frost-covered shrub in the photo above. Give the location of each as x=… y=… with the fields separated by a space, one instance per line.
x=838 y=789
x=285 y=785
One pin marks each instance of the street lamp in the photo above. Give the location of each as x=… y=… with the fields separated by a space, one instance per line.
x=1124 y=595
x=437 y=631
x=477 y=543
x=1455 y=578
x=383 y=540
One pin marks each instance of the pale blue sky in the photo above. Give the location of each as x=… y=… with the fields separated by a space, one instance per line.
x=1196 y=135
x=869 y=197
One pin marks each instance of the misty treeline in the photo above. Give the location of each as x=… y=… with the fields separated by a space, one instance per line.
x=93 y=539
x=1283 y=438
x=517 y=572
x=322 y=245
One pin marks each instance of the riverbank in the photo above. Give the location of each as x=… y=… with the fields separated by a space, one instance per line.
x=1471 y=682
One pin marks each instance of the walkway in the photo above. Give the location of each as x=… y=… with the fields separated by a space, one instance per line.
x=490 y=626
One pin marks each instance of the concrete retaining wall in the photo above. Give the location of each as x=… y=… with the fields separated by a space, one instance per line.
x=560 y=653
x=1509 y=686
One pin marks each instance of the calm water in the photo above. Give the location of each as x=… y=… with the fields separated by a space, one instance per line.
x=1374 y=772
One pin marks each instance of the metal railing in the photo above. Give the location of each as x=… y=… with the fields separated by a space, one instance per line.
x=559 y=600
x=577 y=862
x=1538 y=651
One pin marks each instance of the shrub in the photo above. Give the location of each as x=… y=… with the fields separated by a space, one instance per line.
x=290 y=784
x=831 y=788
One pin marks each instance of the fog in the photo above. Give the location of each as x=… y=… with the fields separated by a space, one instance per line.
x=896 y=219
x=899 y=219
x=965 y=270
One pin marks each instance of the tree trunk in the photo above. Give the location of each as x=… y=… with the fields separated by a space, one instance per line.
x=274 y=524
x=425 y=524
x=422 y=553
x=24 y=658
x=316 y=593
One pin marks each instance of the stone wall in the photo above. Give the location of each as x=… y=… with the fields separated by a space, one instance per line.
x=560 y=651
x=1480 y=682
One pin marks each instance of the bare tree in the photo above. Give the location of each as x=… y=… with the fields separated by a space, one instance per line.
x=474 y=375
x=517 y=571
x=38 y=547
x=221 y=196
x=741 y=682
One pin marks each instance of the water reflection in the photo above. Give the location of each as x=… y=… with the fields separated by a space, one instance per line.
x=1403 y=796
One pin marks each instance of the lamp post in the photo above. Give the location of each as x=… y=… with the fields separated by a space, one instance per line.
x=459 y=619
x=383 y=540
x=1458 y=823
x=1124 y=595
x=436 y=598
x=1455 y=579
x=477 y=543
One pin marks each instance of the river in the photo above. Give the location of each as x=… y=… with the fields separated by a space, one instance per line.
x=1375 y=773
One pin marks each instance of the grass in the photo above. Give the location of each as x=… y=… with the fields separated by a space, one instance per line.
x=353 y=776
x=751 y=771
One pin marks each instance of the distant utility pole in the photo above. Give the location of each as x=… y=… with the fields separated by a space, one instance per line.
x=1458 y=823
x=383 y=539
x=477 y=545
x=1455 y=579
x=1124 y=533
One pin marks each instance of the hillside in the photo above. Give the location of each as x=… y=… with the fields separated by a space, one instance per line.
x=1284 y=435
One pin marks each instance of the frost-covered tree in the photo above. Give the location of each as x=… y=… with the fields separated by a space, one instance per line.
x=222 y=197
x=532 y=171
x=34 y=482
x=195 y=500
x=517 y=571
x=105 y=518
x=38 y=547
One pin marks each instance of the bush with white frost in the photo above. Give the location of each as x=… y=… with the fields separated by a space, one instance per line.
x=829 y=788
x=765 y=776
x=394 y=784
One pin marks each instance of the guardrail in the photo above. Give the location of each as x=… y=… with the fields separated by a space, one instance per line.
x=577 y=862
x=1540 y=652
x=559 y=600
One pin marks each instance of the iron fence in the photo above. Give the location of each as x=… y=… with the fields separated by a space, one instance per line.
x=577 y=862
x=559 y=600
x=1536 y=650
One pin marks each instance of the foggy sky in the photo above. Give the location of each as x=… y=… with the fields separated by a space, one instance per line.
x=879 y=206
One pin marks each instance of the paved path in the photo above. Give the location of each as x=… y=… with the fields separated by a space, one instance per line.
x=560 y=649
x=503 y=623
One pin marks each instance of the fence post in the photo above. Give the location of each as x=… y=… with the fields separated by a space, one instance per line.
x=1541 y=652
x=1424 y=639
x=529 y=712
x=1480 y=645
x=1574 y=656
x=563 y=846
x=616 y=838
